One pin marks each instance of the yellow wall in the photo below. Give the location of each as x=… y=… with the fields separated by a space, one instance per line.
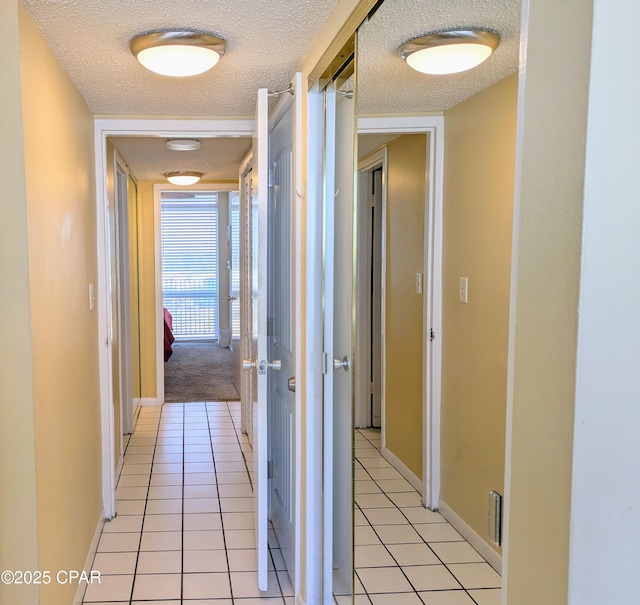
x=477 y=225
x=403 y=326
x=18 y=521
x=548 y=248
x=132 y=198
x=147 y=290
x=60 y=187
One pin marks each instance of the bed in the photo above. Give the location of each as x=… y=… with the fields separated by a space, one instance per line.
x=168 y=334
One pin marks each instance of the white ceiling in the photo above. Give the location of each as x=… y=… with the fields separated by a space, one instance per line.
x=386 y=84
x=266 y=42
x=148 y=158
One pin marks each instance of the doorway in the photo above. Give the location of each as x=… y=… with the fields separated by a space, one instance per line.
x=204 y=340
x=196 y=270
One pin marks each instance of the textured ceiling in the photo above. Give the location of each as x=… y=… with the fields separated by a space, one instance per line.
x=266 y=42
x=148 y=158
x=386 y=84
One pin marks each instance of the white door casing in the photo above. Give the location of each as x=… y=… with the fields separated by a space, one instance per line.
x=256 y=362
x=104 y=128
x=432 y=289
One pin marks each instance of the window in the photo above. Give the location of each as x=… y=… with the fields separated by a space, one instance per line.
x=234 y=221
x=190 y=284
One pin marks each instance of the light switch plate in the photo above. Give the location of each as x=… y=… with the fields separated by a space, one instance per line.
x=463 y=290
x=418 y=283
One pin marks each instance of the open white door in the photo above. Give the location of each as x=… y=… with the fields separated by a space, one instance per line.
x=275 y=183
x=285 y=186
x=257 y=329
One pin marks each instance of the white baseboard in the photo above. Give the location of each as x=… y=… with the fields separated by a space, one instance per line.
x=149 y=401
x=88 y=564
x=300 y=600
x=402 y=468
x=490 y=556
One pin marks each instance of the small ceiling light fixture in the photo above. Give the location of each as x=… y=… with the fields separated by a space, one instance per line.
x=183 y=144
x=449 y=52
x=178 y=53
x=183 y=177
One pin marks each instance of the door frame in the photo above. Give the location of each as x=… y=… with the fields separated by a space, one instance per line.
x=246 y=416
x=158 y=189
x=432 y=288
x=104 y=128
x=121 y=203
x=376 y=159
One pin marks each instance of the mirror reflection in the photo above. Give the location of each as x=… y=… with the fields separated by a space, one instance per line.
x=435 y=175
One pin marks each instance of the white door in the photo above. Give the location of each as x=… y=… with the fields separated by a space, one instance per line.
x=285 y=123
x=271 y=359
x=338 y=382
x=255 y=363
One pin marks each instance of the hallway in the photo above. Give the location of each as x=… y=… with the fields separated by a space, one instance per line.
x=184 y=530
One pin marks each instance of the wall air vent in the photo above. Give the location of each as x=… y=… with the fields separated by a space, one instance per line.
x=494 y=518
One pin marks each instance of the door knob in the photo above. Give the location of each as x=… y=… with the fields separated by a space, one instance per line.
x=275 y=365
x=291 y=384
x=230 y=298
x=341 y=364
x=247 y=364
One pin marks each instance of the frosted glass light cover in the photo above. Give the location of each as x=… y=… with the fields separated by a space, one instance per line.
x=177 y=53
x=449 y=52
x=178 y=61
x=452 y=59
x=183 y=178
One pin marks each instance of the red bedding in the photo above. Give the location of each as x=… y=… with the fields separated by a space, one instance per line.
x=168 y=334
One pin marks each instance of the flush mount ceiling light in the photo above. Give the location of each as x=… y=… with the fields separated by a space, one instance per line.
x=183 y=177
x=178 y=53
x=183 y=144
x=449 y=52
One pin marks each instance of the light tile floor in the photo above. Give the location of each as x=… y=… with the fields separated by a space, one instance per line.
x=184 y=529
x=406 y=554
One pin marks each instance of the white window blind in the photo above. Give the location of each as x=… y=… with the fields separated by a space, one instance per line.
x=234 y=220
x=190 y=284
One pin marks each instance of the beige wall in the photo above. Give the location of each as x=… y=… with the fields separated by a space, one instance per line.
x=477 y=225
x=59 y=164
x=547 y=251
x=407 y=158
x=132 y=199
x=147 y=290
x=18 y=520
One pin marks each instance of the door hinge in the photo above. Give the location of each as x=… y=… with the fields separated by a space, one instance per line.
x=373 y=200
x=269 y=326
x=432 y=335
x=269 y=470
x=270 y=177
x=325 y=363
x=372 y=388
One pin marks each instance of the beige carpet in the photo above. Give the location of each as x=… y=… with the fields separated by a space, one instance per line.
x=199 y=371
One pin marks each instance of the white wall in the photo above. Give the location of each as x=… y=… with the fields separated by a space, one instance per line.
x=605 y=505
